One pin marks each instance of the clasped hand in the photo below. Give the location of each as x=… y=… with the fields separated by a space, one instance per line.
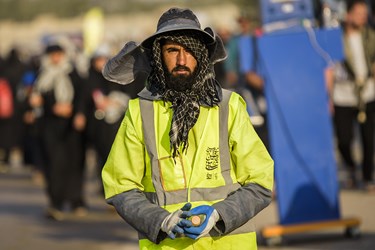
x=178 y=222
x=175 y=222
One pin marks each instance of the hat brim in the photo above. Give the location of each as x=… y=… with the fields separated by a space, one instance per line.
x=132 y=60
x=207 y=37
x=127 y=64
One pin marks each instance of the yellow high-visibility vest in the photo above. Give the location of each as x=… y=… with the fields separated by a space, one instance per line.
x=213 y=166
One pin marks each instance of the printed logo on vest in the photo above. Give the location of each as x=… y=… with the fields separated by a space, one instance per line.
x=212 y=158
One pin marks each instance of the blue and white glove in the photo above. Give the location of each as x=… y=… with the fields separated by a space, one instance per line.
x=176 y=222
x=212 y=216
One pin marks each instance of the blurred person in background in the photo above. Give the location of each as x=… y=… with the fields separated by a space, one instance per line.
x=353 y=94
x=6 y=112
x=54 y=99
x=185 y=143
x=102 y=108
x=11 y=128
x=32 y=148
x=243 y=73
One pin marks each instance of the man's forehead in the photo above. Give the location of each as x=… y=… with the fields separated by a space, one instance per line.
x=171 y=42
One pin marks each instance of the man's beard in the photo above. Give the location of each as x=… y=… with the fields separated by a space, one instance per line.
x=180 y=83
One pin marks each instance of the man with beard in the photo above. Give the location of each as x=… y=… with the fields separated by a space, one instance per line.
x=186 y=169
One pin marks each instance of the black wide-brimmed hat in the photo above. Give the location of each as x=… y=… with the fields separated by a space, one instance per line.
x=133 y=58
x=176 y=19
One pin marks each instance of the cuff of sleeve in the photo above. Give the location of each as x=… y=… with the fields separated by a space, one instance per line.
x=224 y=224
x=157 y=235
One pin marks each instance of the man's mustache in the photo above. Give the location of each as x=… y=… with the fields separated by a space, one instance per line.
x=181 y=67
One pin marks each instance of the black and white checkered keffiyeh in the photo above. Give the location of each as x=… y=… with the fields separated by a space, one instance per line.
x=185 y=104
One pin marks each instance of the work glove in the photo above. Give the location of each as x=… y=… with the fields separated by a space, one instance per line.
x=175 y=222
x=212 y=216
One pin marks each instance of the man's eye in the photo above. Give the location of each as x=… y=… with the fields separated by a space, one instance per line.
x=189 y=51
x=172 y=49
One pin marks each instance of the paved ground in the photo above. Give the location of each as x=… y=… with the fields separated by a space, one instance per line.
x=22 y=225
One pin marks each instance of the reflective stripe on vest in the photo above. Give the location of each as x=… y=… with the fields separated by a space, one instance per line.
x=196 y=194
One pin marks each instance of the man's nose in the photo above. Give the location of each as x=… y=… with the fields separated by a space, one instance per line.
x=181 y=57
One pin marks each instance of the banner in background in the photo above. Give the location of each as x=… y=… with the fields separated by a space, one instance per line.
x=93 y=29
x=301 y=133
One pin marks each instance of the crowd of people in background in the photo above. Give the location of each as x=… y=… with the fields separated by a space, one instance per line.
x=53 y=113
